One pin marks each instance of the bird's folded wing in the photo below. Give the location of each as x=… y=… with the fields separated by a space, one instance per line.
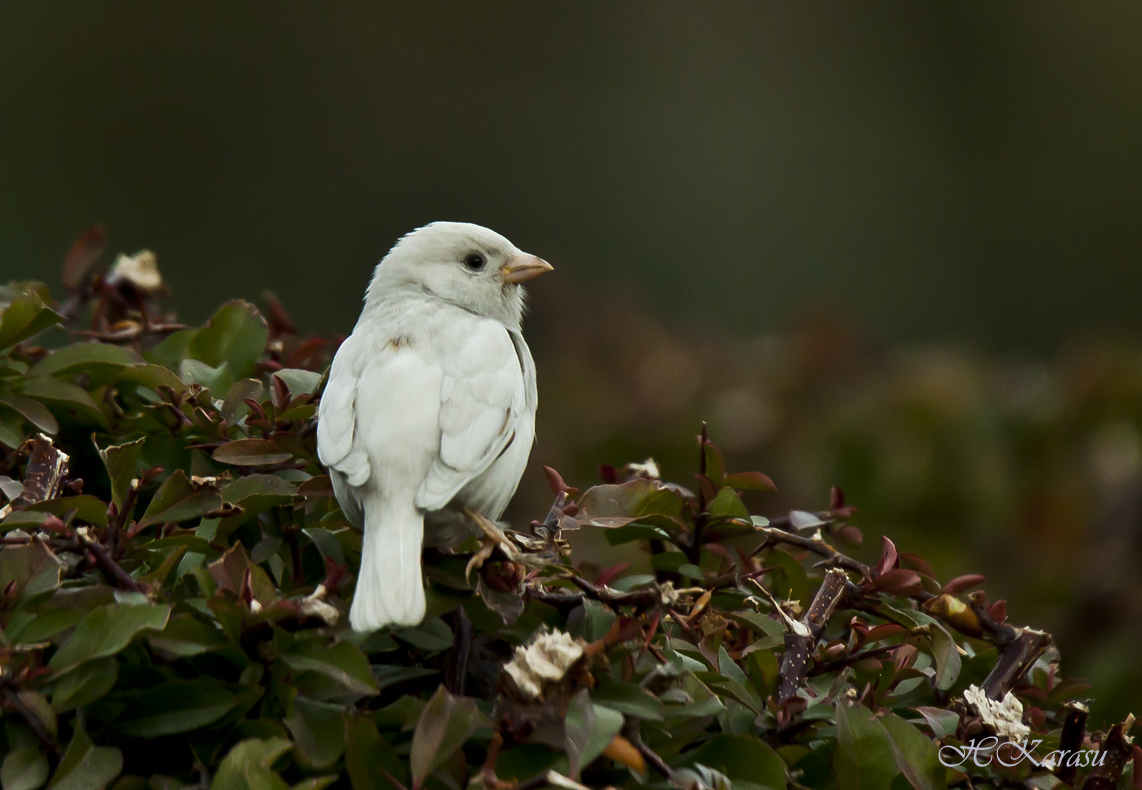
x=338 y=446
x=482 y=396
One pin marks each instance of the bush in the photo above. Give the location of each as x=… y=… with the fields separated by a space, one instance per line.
x=176 y=576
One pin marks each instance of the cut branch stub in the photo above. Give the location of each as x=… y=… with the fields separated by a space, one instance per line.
x=800 y=643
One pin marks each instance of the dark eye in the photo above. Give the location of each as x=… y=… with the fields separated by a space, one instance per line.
x=475 y=261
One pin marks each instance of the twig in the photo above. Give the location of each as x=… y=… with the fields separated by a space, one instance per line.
x=1116 y=747
x=456 y=672
x=33 y=721
x=800 y=641
x=650 y=755
x=1015 y=658
x=852 y=658
x=694 y=550
x=1071 y=740
x=816 y=546
x=111 y=569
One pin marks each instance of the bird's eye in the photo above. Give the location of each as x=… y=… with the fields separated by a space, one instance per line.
x=475 y=261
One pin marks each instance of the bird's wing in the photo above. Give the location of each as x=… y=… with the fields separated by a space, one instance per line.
x=338 y=444
x=482 y=395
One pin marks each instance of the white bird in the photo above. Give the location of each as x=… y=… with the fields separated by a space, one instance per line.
x=428 y=417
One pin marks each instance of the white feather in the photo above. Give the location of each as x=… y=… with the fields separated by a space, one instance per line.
x=430 y=407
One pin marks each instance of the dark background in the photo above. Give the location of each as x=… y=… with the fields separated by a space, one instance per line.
x=893 y=246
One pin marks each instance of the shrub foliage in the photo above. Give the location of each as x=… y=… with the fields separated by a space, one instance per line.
x=176 y=576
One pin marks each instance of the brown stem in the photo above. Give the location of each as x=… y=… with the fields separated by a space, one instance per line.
x=1116 y=748
x=111 y=569
x=33 y=721
x=1002 y=633
x=818 y=547
x=1071 y=740
x=795 y=660
x=650 y=755
x=840 y=663
x=1015 y=659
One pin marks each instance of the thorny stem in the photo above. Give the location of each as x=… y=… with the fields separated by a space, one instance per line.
x=816 y=546
x=111 y=569
x=694 y=550
x=800 y=642
x=650 y=755
x=1071 y=740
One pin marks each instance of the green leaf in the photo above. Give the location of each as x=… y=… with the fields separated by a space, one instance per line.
x=179 y=499
x=432 y=635
x=85 y=684
x=24 y=769
x=727 y=504
x=173 y=707
x=87 y=508
x=25 y=316
x=588 y=730
x=632 y=532
x=11 y=428
x=251 y=452
x=916 y=754
x=186 y=635
x=342 y=662
x=248 y=766
x=628 y=698
x=864 y=759
x=86 y=766
x=743 y=759
x=236 y=334
x=31 y=410
x=944 y=651
x=318 y=730
x=300 y=382
x=68 y=397
x=105 y=631
x=216 y=379
x=98 y=358
x=152 y=377
x=167 y=354
x=368 y=757
x=444 y=724
x=122 y=462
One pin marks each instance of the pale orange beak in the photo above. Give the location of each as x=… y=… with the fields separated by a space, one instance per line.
x=523 y=267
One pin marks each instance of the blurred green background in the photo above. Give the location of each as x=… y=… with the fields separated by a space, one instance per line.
x=894 y=246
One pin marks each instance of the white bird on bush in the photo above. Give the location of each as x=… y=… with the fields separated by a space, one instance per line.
x=428 y=417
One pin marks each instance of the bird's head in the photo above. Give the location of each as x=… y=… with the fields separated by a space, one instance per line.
x=466 y=265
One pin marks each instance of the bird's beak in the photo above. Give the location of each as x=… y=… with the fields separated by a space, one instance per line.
x=523 y=267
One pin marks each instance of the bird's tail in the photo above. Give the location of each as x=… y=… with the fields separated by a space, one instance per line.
x=389 y=588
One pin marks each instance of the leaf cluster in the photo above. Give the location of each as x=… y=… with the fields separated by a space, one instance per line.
x=176 y=577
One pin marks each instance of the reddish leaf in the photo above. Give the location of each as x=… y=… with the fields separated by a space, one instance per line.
x=884 y=632
x=749 y=481
x=608 y=575
x=609 y=475
x=900 y=582
x=851 y=535
x=84 y=254
x=555 y=480
x=888 y=558
x=836 y=498
x=963 y=583
x=917 y=563
x=998 y=611
x=706 y=487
